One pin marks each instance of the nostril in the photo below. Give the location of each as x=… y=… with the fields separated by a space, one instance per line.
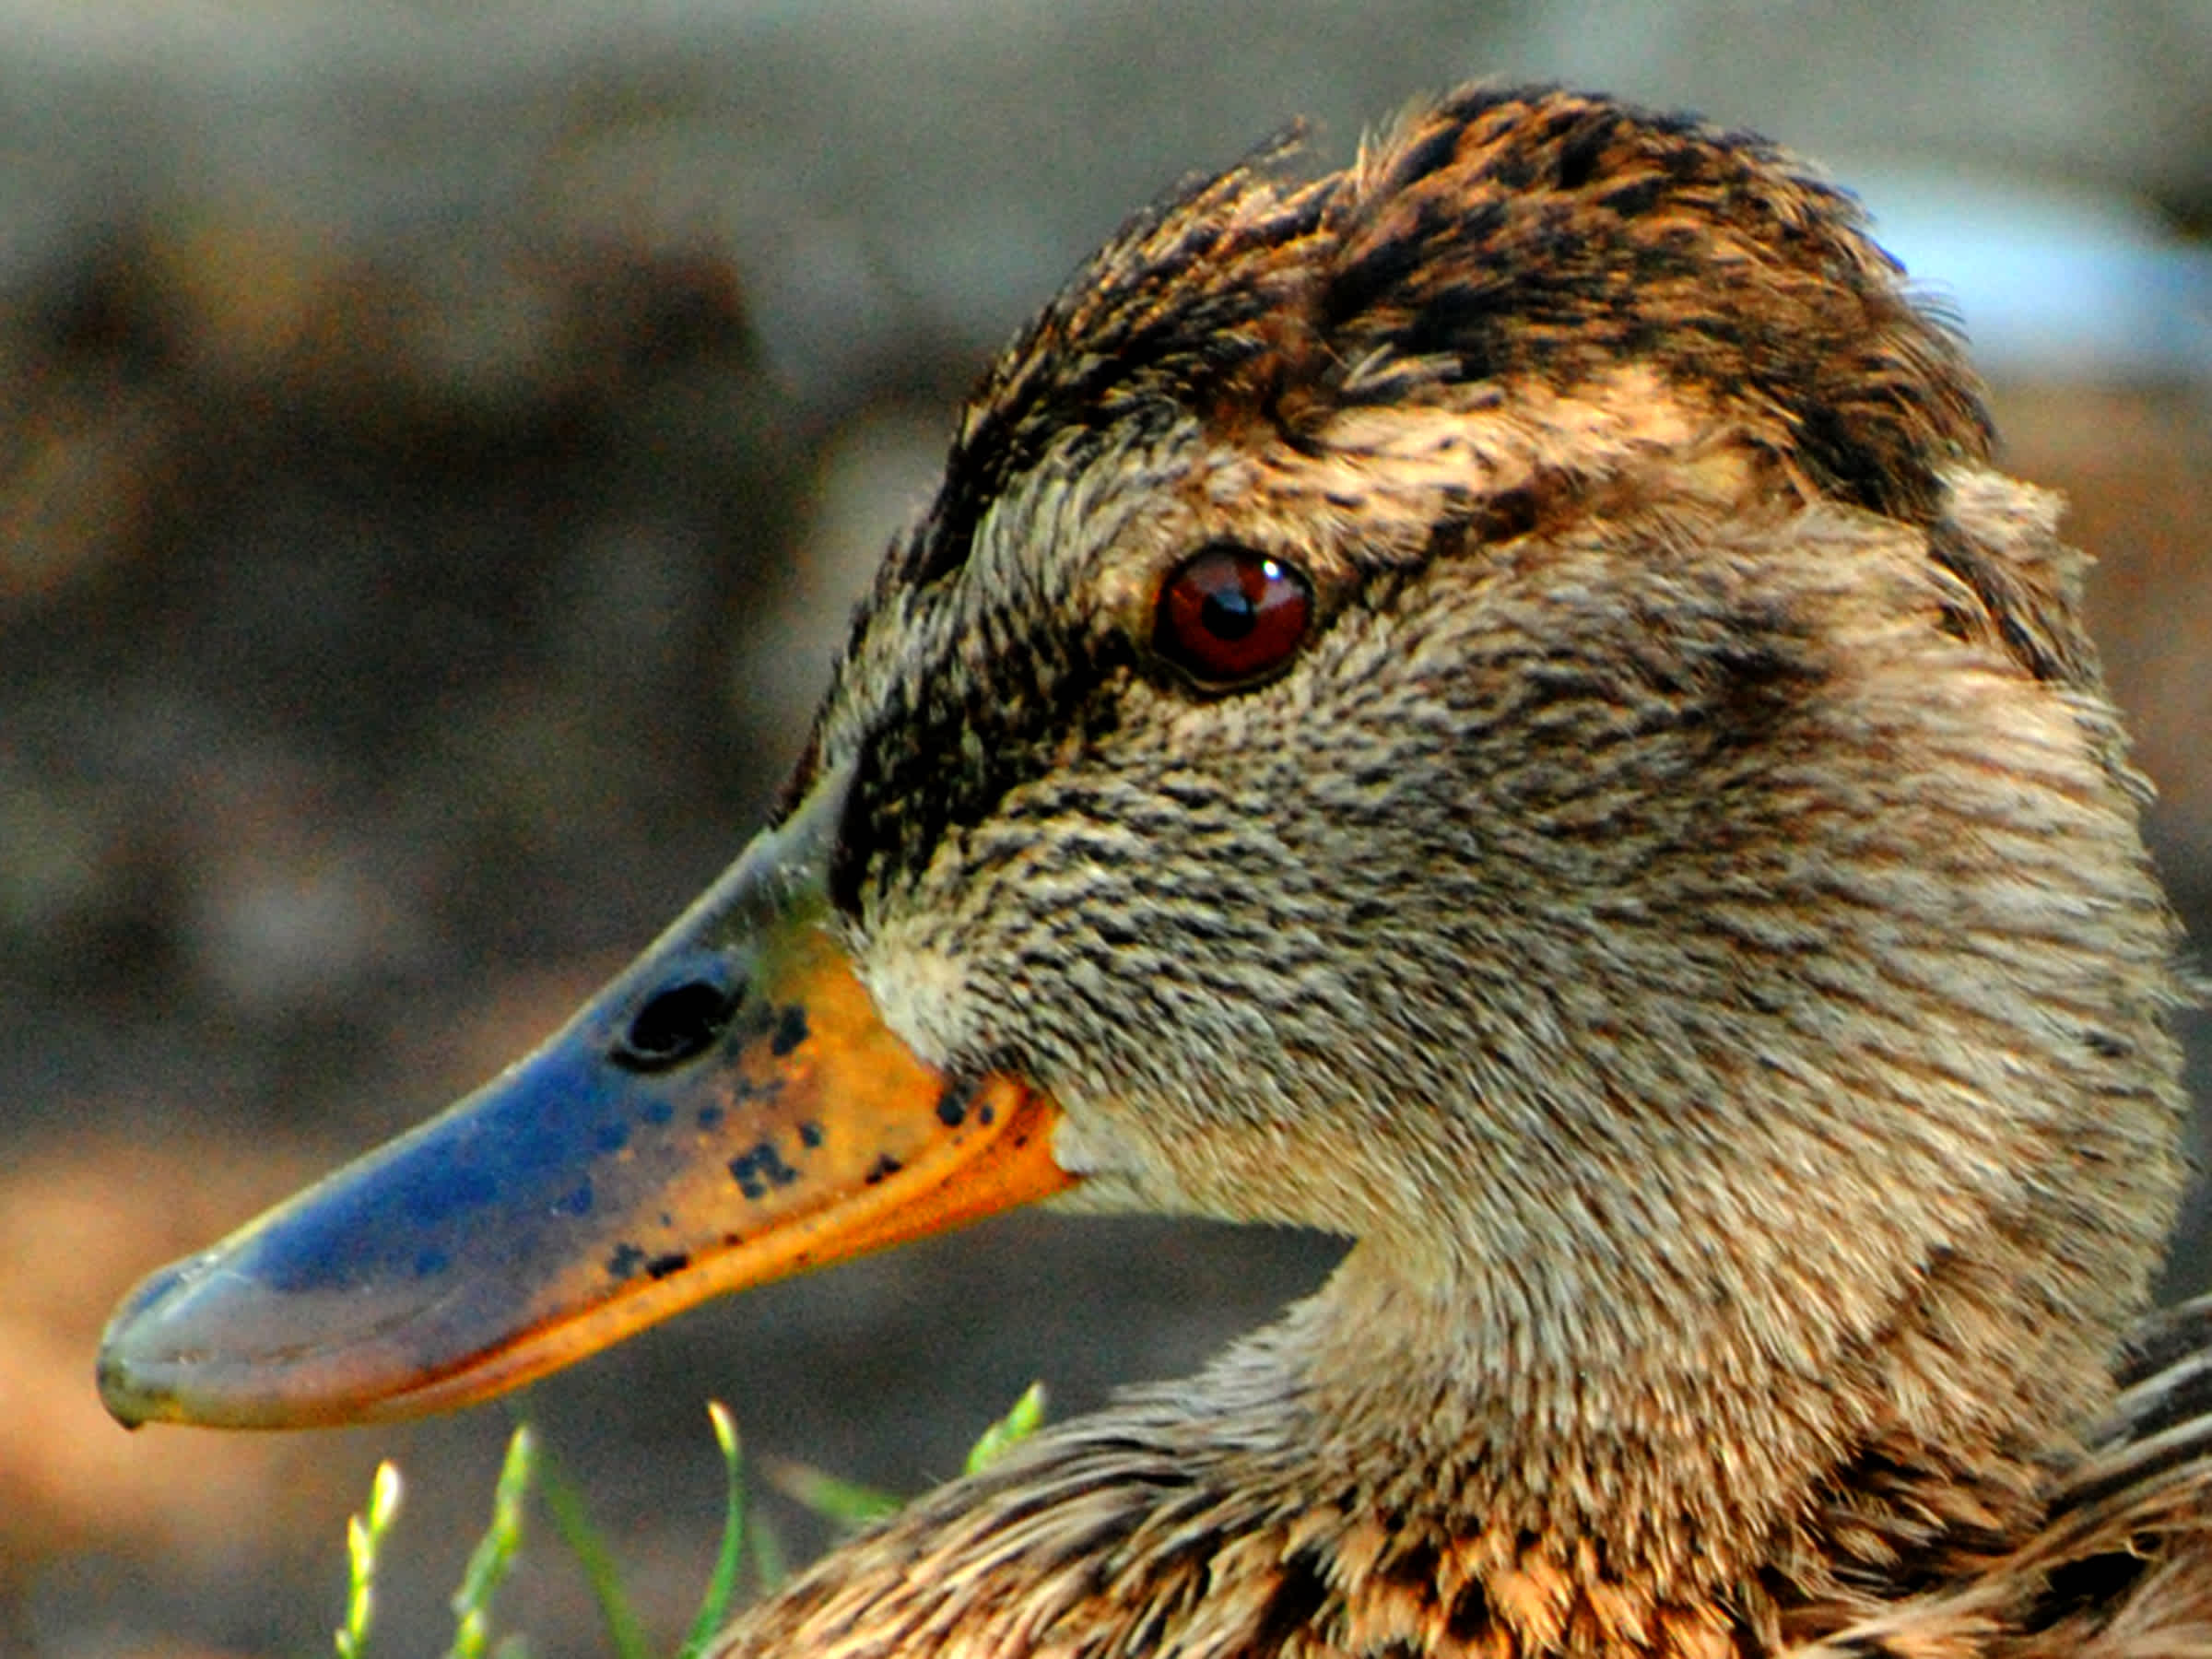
x=676 y=1023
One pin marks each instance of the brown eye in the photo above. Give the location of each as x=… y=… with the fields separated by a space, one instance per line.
x=1230 y=616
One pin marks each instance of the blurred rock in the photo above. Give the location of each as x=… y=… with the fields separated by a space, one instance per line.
x=2137 y=470
x=76 y=1220
x=904 y=183
x=872 y=475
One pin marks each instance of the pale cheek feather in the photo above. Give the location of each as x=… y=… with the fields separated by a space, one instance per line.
x=919 y=989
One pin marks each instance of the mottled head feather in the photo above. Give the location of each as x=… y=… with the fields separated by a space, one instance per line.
x=1499 y=236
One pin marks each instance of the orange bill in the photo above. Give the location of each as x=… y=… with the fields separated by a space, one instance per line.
x=729 y=1110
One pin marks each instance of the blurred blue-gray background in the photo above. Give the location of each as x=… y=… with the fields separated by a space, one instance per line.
x=439 y=445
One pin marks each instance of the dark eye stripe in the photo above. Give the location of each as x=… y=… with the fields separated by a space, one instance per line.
x=945 y=749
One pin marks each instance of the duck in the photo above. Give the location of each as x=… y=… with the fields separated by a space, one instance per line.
x=1493 y=702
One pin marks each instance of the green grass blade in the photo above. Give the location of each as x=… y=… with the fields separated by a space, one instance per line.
x=715 y=1606
x=495 y=1552
x=770 y=1566
x=565 y=1505
x=364 y=1536
x=846 y=1503
x=1021 y=1421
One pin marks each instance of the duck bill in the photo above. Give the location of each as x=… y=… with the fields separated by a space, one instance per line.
x=729 y=1110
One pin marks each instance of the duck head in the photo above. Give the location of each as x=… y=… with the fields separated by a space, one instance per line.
x=1488 y=703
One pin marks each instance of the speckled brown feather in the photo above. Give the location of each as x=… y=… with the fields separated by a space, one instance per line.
x=1682 y=911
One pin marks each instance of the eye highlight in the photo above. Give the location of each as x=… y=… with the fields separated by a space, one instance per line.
x=1231 y=616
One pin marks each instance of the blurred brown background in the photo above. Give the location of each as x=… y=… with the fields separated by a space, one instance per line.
x=440 y=443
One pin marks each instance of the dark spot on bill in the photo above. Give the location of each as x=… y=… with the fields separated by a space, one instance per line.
x=760 y=1168
x=952 y=1105
x=791 y=1029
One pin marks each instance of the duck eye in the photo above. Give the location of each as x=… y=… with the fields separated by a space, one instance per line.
x=1230 y=616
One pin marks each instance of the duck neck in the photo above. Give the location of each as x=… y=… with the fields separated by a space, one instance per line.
x=1691 y=1453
